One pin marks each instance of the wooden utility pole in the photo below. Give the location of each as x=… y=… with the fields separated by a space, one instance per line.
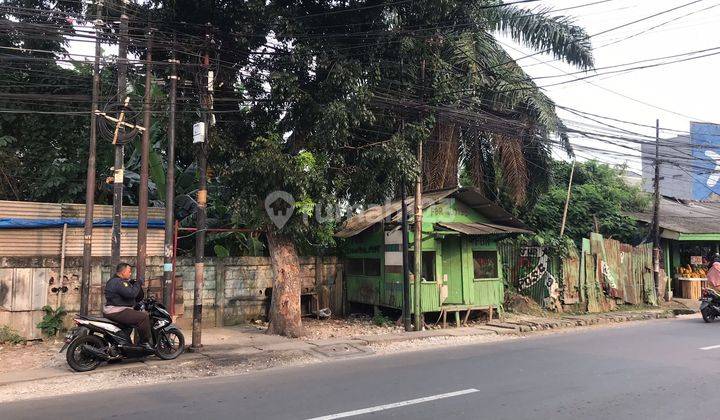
x=407 y=310
x=144 y=165
x=201 y=211
x=567 y=200
x=90 y=179
x=418 y=225
x=170 y=189
x=119 y=161
x=656 y=214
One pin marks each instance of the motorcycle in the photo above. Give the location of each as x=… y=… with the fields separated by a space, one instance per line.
x=96 y=339
x=709 y=305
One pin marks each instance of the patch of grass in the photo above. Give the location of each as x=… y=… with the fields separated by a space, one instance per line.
x=381 y=320
x=10 y=336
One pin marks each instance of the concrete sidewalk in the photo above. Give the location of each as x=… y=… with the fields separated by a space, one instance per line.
x=243 y=342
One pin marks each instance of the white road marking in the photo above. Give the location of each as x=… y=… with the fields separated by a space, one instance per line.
x=709 y=347
x=394 y=405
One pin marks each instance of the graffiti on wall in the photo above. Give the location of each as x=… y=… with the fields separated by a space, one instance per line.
x=540 y=273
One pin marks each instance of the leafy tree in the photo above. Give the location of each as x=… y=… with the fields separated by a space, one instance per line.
x=355 y=86
x=598 y=193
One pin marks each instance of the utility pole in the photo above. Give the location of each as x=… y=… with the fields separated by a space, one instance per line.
x=418 y=242
x=170 y=188
x=407 y=310
x=90 y=180
x=202 y=210
x=567 y=200
x=656 y=214
x=418 y=225
x=144 y=166
x=119 y=161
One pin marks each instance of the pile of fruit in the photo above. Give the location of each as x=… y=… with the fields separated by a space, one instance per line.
x=689 y=272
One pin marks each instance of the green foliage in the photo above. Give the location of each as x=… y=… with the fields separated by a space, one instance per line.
x=10 y=336
x=381 y=320
x=598 y=190
x=221 y=251
x=52 y=321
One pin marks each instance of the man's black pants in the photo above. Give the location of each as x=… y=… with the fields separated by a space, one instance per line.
x=138 y=319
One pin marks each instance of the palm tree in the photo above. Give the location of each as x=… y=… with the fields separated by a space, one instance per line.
x=490 y=117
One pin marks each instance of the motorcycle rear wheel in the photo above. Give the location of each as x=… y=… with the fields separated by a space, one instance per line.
x=79 y=359
x=708 y=315
x=171 y=344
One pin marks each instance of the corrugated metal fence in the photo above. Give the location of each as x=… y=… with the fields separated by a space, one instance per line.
x=603 y=274
x=48 y=241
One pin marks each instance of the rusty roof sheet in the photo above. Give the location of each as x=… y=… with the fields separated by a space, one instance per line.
x=684 y=216
x=369 y=217
x=470 y=196
x=482 y=228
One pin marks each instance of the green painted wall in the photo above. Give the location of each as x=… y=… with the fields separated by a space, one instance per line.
x=386 y=290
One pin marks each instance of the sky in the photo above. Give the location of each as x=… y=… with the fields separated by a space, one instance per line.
x=676 y=94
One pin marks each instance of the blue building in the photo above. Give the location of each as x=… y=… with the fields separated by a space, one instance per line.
x=690 y=165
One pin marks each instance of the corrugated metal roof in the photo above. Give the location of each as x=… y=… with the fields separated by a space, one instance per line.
x=685 y=216
x=34 y=210
x=482 y=228
x=47 y=242
x=369 y=217
x=470 y=196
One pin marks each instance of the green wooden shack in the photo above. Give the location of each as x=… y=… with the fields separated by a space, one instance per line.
x=462 y=268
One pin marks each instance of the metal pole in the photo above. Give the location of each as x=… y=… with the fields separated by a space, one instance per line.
x=201 y=218
x=144 y=166
x=170 y=189
x=407 y=310
x=418 y=243
x=656 y=214
x=90 y=180
x=61 y=275
x=567 y=200
x=174 y=263
x=418 y=227
x=119 y=161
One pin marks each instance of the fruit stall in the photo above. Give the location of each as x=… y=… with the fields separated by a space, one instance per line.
x=692 y=279
x=690 y=233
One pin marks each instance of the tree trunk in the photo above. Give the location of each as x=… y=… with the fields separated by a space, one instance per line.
x=285 y=311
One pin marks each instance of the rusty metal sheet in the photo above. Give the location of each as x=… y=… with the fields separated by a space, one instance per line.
x=592 y=286
x=482 y=228
x=571 y=279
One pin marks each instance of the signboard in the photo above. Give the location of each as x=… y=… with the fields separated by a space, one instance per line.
x=199 y=132
x=696 y=260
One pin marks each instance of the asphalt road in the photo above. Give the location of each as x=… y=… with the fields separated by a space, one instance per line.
x=635 y=371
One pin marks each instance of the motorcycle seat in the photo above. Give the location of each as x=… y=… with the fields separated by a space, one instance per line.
x=101 y=319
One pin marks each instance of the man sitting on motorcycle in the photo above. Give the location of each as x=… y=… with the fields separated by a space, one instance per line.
x=121 y=294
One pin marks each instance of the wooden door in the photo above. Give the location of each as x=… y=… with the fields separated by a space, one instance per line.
x=452 y=269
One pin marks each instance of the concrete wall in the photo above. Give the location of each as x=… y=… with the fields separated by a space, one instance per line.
x=676 y=168
x=236 y=290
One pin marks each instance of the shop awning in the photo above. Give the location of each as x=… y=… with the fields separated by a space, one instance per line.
x=482 y=228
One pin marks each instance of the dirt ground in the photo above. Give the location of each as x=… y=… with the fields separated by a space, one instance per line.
x=32 y=355
x=355 y=325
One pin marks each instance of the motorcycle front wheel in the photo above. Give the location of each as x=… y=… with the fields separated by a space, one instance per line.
x=708 y=315
x=79 y=359
x=171 y=344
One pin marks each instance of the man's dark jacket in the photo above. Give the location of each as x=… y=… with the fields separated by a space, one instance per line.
x=121 y=292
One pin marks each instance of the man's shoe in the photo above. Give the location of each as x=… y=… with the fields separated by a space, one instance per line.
x=148 y=347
